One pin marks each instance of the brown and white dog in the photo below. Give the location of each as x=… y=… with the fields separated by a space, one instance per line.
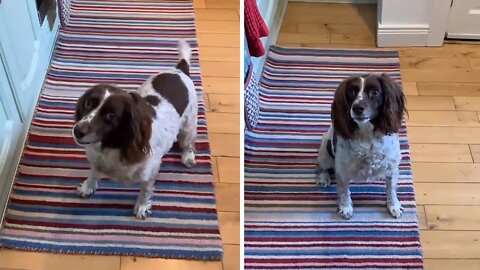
x=362 y=143
x=126 y=134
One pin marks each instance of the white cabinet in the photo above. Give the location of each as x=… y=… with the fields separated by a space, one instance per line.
x=10 y=131
x=26 y=48
x=426 y=22
x=464 y=19
x=25 y=51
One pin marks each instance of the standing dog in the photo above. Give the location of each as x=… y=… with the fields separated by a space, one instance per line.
x=362 y=144
x=126 y=134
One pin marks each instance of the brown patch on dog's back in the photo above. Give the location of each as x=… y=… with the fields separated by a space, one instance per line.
x=152 y=101
x=171 y=87
x=184 y=67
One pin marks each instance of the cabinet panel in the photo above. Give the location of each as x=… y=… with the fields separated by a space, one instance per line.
x=25 y=52
x=21 y=42
x=464 y=19
x=10 y=135
x=26 y=47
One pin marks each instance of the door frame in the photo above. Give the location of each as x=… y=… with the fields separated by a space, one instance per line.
x=438 y=22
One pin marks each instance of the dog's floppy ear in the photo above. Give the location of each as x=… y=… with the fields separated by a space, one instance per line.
x=137 y=126
x=390 y=116
x=342 y=121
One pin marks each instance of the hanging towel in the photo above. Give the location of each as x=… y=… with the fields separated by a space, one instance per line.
x=255 y=28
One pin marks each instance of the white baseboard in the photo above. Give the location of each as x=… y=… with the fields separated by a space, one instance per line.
x=402 y=35
x=463 y=36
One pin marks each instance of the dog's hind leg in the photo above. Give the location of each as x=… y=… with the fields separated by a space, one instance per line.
x=323 y=170
x=325 y=160
x=186 y=139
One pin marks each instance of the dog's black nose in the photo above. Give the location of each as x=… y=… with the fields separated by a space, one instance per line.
x=358 y=109
x=78 y=133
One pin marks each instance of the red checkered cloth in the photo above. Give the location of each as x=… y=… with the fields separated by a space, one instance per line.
x=255 y=28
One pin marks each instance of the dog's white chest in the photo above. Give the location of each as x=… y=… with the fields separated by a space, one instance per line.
x=103 y=163
x=108 y=163
x=367 y=160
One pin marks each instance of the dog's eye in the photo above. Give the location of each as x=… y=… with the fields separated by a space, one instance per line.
x=375 y=92
x=352 y=92
x=88 y=104
x=111 y=116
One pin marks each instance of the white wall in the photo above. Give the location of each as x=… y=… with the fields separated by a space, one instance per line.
x=403 y=23
x=412 y=22
x=413 y=12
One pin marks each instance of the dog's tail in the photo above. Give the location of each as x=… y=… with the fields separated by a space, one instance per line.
x=185 y=52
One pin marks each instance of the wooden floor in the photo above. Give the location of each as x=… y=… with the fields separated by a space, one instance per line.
x=443 y=88
x=218 y=26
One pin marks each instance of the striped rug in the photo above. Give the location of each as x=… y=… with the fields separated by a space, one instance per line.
x=290 y=222
x=120 y=42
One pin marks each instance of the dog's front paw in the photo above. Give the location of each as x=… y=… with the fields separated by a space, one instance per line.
x=188 y=158
x=395 y=209
x=345 y=211
x=86 y=189
x=323 y=178
x=143 y=209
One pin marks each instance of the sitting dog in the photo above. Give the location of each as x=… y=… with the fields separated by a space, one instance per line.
x=126 y=134
x=362 y=142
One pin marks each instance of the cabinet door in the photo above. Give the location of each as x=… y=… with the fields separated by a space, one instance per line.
x=10 y=134
x=25 y=50
x=464 y=20
x=26 y=47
